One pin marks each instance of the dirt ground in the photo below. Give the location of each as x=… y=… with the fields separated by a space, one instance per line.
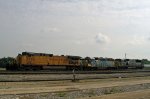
x=60 y=86
x=141 y=94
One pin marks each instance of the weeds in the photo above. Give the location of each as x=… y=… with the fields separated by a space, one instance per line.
x=61 y=94
x=112 y=90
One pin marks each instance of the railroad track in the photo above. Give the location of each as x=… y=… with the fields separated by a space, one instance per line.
x=70 y=72
x=56 y=77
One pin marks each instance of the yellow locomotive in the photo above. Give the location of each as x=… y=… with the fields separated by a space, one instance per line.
x=39 y=61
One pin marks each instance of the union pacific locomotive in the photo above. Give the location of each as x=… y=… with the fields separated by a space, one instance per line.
x=40 y=61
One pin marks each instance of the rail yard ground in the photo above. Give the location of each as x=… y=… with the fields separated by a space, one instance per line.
x=90 y=86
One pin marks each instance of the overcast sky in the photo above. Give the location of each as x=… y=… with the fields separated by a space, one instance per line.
x=103 y=28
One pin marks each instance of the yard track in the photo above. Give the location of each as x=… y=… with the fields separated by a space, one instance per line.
x=53 y=76
x=70 y=72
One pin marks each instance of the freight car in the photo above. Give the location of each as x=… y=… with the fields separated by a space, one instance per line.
x=40 y=61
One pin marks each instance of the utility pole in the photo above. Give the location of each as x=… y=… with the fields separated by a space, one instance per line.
x=125 y=55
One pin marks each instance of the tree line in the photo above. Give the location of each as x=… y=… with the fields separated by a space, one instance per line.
x=5 y=61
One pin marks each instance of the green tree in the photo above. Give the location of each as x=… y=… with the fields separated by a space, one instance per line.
x=6 y=61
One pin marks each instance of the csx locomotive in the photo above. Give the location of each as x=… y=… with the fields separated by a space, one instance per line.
x=40 y=61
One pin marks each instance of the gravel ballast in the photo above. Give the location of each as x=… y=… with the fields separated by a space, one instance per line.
x=57 y=77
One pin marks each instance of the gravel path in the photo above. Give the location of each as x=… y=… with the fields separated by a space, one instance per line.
x=140 y=94
x=71 y=90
